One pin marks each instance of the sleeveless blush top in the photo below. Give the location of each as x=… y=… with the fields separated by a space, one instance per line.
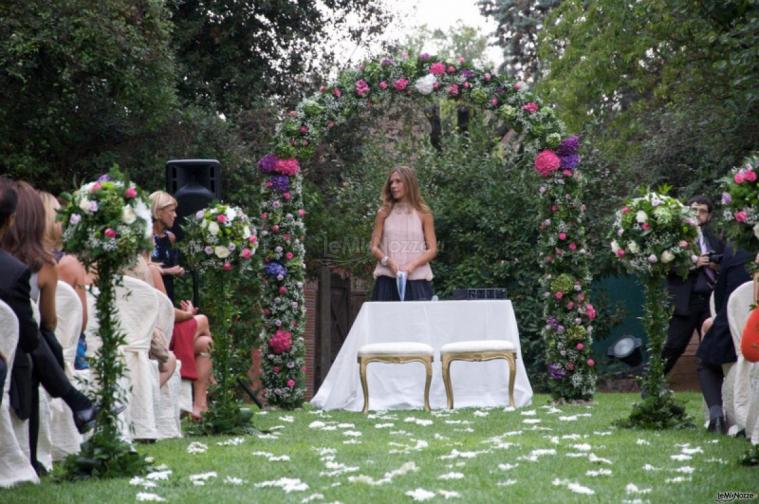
x=403 y=241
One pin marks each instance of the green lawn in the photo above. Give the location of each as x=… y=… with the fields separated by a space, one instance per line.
x=536 y=454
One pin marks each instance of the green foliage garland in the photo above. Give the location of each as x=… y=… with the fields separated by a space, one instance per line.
x=107 y=224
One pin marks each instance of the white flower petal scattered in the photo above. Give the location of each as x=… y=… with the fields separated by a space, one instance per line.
x=420 y=494
x=144 y=483
x=236 y=441
x=678 y=479
x=535 y=454
x=680 y=457
x=531 y=421
x=632 y=488
x=451 y=476
x=529 y=413
x=352 y=433
x=593 y=458
x=419 y=421
x=685 y=469
x=384 y=425
x=642 y=442
x=600 y=472
x=271 y=457
x=507 y=467
x=480 y=413
x=573 y=486
x=603 y=433
x=145 y=496
x=649 y=467
x=286 y=484
x=506 y=483
x=230 y=480
x=570 y=418
x=582 y=447
x=201 y=478
x=448 y=494
x=465 y=454
x=313 y=497
x=287 y=418
x=197 y=447
x=387 y=478
x=159 y=475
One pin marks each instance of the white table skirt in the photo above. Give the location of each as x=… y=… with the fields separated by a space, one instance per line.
x=401 y=386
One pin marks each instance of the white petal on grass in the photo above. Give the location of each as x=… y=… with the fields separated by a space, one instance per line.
x=346 y=425
x=465 y=454
x=159 y=475
x=387 y=478
x=145 y=496
x=480 y=413
x=678 y=479
x=236 y=441
x=384 y=425
x=582 y=447
x=573 y=486
x=649 y=467
x=144 y=483
x=271 y=457
x=553 y=411
x=454 y=422
x=287 y=418
x=599 y=472
x=440 y=437
x=149 y=460
x=603 y=433
x=400 y=433
x=635 y=501
x=531 y=421
x=448 y=494
x=313 y=497
x=451 y=476
x=202 y=478
x=352 y=433
x=535 y=454
x=513 y=433
x=680 y=457
x=336 y=469
x=267 y=436
x=506 y=483
x=593 y=458
x=419 y=421
x=352 y=441
x=276 y=428
x=531 y=412
x=632 y=488
x=554 y=439
x=316 y=424
x=685 y=469
x=575 y=455
x=571 y=437
x=403 y=449
x=569 y=418
x=539 y=428
x=642 y=442
x=716 y=460
x=231 y=480
x=692 y=451
x=465 y=429
x=286 y=484
x=420 y=494
x=507 y=466
x=197 y=447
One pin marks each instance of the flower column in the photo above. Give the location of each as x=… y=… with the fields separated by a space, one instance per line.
x=283 y=302
x=565 y=284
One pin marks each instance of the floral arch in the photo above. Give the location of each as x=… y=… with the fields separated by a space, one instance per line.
x=554 y=156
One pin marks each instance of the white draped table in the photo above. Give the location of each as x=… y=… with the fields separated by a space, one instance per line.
x=401 y=386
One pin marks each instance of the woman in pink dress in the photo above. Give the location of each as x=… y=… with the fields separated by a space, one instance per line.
x=403 y=240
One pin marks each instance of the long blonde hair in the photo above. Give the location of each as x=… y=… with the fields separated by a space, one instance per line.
x=411 y=184
x=53 y=227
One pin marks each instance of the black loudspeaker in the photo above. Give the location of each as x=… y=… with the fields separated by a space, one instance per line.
x=195 y=183
x=489 y=293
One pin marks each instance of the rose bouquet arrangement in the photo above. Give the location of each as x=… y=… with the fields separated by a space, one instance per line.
x=740 y=203
x=655 y=234
x=220 y=237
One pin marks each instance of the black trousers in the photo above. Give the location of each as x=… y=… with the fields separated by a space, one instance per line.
x=681 y=329
x=710 y=377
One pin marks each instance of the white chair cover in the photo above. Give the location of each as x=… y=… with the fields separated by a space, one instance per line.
x=737 y=385
x=65 y=437
x=167 y=397
x=752 y=420
x=136 y=306
x=15 y=467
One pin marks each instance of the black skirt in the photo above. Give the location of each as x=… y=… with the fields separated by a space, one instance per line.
x=385 y=289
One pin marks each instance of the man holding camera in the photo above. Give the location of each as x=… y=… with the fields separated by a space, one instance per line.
x=690 y=296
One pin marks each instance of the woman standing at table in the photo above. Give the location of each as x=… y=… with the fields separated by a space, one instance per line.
x=403 y=239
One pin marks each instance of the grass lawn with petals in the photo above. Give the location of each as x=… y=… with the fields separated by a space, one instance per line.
x=541 y=453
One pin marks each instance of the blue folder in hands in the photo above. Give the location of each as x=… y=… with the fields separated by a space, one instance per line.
x=400 y=282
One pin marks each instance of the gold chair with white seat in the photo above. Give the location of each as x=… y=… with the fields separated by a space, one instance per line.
x=400 y=352
x=478 y=351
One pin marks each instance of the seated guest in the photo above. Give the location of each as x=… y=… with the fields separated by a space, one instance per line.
x=69 y=268
x=717 y=346
x=163 y=207
x=21 y=231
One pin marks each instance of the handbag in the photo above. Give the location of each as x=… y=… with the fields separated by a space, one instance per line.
x=750 y=337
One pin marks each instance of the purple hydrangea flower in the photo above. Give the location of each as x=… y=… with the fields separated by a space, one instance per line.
x=280 y=183
x=726 y=198
x=556 y=372
x=570 y=161
x=104 y=178
x=268 y=163
x=208 y=250
x=467 y=74
x=568 y=146
x=387 y=62
x=424 y=56
x=274 y=269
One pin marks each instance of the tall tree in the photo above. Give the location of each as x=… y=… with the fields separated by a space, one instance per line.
x=519 y=24
x=233 y=52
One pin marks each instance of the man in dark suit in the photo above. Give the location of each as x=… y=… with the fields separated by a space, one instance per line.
x=690 y=296
x=34 y=362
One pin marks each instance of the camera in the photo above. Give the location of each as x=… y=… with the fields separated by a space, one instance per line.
x=714 y=257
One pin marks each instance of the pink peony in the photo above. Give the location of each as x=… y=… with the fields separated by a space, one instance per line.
x=400 y=84
x=110 y=233
x=451 y=69
x=281 y=342
x=562 y=236
x=287 y=196
x=275 y=370
x=572 y=246
x=252 y=239
x=646 y=226
x=301 y=212
x=558 y=294
x=567 y=173
x=453 y=90
x=741 y=216
x=625 y=210
x=275 y=228
x=494 y=101
x=291 y=383
x=570 y=366
x=130 y=193
x=287 y=167
x=739 y=178
x=382 y=85
x=580 y=346
x=337 y=93
x=486 y=77
x=246 y=253
x=221 y=218
x=437 y=68
x=531 y=107
x=591 y=311
x=303 y=130
x=283 y=290
x=591 y=362
x=330 y=124
x=547 y=162
x=570 y=305
x=517 y=86
x=289 y=256
x=264 y=216
x=96 y=187
x=362 y=87
x=750 y=176
x=227 y=266
x=620 y=253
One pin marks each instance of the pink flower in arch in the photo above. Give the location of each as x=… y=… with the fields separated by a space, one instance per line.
x=580 y=346
x=362 y=88
x=572 y=246
x=453 y=90
x=437 y=68
x=289 y=256
x=531 y=107
x=400 y=84
x=291 y=383
x=547 y=162
x=741 y=216
x=382 y=85
x=620 y=252
x=590 y=311
x=246 y=253
x=591 y=362
x=739 y=177
x=221 y=218
x=130 y=193
x=110 y=233
x=558 y=294
x=562 y=236
x=750 y=176
x=337 y=92
x=227 y=266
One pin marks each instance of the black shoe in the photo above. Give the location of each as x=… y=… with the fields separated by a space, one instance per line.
x=86 y=418
x=718 y=424
x=39 y=468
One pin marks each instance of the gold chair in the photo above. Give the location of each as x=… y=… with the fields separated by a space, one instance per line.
x=478 y=351
x=395 y=353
